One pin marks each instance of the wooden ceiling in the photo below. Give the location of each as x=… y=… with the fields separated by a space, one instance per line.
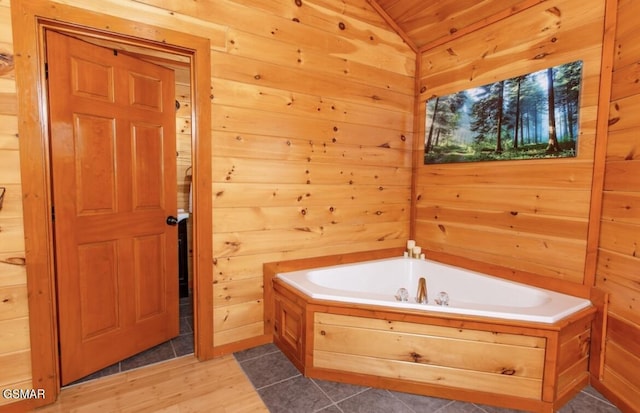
x=424 y=23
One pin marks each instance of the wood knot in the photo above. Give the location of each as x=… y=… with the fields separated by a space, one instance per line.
x=342 y=26
x=555 y=11
x=415 y=356
x=14 y=261
x=508 y=372
x=6 y=63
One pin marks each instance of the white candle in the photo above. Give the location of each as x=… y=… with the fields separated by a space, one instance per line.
x=410 y=244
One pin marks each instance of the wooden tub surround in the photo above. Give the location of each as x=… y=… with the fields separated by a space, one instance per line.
x=530 y=366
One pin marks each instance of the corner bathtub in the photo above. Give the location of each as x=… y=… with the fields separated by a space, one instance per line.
x=470 y=293
x=497 y=343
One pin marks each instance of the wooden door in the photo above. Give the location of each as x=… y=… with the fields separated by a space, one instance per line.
x=113 y=162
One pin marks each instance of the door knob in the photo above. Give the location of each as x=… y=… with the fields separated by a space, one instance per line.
x=171 y=220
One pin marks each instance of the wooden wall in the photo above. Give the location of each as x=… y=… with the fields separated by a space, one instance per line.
x=312 y=120
x=526 y=220
x=618 y=255
x=15 y=354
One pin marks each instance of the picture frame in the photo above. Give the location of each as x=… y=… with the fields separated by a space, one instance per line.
x=533 y=116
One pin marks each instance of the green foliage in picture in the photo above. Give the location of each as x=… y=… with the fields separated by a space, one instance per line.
x=525 y=117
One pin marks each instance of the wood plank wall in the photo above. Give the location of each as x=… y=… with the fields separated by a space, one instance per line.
x=525 y=220
x=15 y=354
x=618 y=255
x=312 y=141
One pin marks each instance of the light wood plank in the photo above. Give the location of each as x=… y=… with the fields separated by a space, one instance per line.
x=431 y=350
x=466 y=379
x=481 y=336
x=179 y=385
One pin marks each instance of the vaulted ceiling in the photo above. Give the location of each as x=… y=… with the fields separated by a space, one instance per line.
x=426 y=22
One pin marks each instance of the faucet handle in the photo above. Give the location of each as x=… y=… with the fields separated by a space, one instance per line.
x=421 y=296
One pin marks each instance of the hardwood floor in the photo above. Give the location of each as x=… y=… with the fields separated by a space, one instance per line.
x=177 y=385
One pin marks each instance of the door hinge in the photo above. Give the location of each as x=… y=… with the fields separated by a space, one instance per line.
x=53 y=213
x=46 y=70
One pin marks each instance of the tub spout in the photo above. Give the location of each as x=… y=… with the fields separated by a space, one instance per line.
x=421 y=296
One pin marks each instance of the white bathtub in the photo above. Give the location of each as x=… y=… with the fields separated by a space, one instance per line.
x=470 y=293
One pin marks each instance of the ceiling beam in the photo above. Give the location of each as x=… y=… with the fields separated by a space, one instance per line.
x=393 y=25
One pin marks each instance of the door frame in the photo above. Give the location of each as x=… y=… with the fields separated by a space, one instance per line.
x=30 y=18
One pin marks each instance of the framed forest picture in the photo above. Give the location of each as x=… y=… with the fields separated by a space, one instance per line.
x=526 y=117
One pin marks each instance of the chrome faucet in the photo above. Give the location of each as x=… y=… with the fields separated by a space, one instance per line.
x=421 y=296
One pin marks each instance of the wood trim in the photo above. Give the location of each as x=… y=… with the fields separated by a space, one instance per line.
x=600 y=300
x=34 y=169
x=602 y=129
x=417 y=160
x=242 y=345
x=393 y=25
x=620 y=403
x=29 y=18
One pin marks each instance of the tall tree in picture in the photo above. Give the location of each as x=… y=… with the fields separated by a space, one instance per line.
x=553 y=139
x=500 y=117
x=427 y=146
x=446 y=117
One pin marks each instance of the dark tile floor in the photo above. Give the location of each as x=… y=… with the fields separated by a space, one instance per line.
x=284 y=390
x=176 y=347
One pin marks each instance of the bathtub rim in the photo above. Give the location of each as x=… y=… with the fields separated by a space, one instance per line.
x=270 y=269
x=410 y=313
x=298 y=280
